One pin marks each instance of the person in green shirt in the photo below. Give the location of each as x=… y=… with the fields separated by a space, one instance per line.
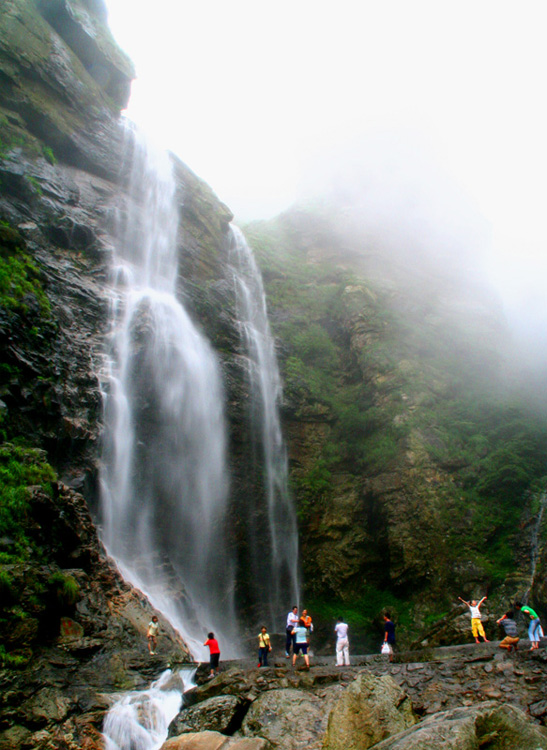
x=535 y=631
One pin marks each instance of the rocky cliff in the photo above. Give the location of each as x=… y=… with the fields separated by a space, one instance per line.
x=416 y=468
x=417 y=464
x=73 y=632
x=463 y=698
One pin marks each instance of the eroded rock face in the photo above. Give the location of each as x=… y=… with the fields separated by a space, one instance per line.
x=289 y=718
x=486 y=725
x=218 y=714
x=214 y=741
x=329 y=708
x=80 y=651
x=370 y=709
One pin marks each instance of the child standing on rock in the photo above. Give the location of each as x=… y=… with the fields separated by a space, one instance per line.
x=475 y=612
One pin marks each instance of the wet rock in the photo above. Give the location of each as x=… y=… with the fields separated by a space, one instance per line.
x=215 y=714
x=369 y=710
x=289 y=718
x=485 y=725
x=197 y=741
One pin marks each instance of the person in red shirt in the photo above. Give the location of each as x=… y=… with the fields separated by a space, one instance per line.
x=214 y=653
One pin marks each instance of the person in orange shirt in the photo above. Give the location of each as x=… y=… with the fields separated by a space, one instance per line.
x=307 y=624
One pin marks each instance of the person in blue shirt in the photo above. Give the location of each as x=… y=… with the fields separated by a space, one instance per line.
x=300 y=634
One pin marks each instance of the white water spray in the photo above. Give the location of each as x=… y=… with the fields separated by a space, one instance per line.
x=140 y=720
x=275 y=542
x=164 y=485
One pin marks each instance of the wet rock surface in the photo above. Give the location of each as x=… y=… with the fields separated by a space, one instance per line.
x=80 y=658
x=469 y=696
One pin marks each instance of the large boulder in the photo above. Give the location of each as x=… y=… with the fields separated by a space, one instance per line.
x=490 y=725
x=216 y=714
x=214 y=741
x=290 y=719
x=369 y=710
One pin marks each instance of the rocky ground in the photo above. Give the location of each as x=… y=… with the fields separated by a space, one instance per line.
x=68 y=661
x=460 y=697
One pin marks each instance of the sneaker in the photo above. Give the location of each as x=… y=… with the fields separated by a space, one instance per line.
x=287 y=656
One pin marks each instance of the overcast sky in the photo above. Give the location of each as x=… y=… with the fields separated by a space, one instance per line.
x=253 y=96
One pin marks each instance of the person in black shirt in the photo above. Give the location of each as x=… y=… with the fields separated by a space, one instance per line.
x=511 y=634
x=389 y=633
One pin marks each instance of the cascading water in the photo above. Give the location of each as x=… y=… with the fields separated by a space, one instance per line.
x=164 y=483
x=274 y=540
x=140 y=720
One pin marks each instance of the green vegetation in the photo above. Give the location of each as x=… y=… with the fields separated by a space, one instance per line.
x=361 y=612
x=49 y=156
x=33 y=182
x=15 y=660
x=31 y=595
x=65 y=588
x=19 y=468
x=20 y=280
x=408 y=383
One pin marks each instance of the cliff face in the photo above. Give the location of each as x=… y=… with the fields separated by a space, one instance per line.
x=415 y=462
x=71 y=628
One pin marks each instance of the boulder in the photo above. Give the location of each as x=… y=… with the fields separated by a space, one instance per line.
x=289 y=718
x=196 y=741
x=216 y=714
x=484 y=725
x=369 y=710
x=214 y=741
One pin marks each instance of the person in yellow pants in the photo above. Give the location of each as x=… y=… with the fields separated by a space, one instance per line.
x=475 y=612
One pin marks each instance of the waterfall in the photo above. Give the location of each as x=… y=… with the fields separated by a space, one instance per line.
x=140 y=720
x=273 y=540
x=534 y=544
x=164 y=487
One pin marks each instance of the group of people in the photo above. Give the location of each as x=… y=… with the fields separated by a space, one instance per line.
x=298 y=632
x=300 y=627
x=507 y=622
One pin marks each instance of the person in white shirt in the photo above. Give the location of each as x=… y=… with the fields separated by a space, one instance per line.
x=292 y=622
x=342 y=643
x=152 y=634
x=475 y=612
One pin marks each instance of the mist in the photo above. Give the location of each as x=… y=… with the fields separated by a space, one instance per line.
x=391 y=194
x=428 y=116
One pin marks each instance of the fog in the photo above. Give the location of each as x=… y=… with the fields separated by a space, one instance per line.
x=398 y=196
x=430 y=115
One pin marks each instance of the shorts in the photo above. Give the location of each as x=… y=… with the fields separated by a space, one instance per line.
x=300 y=647
x=477 y=628
x=509 y=641
x=213 y=660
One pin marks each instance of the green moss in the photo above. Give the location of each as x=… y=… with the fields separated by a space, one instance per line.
x=19 y=277
x=19 y=468
x=65 y=588
x=49 y=156
x=15 y=660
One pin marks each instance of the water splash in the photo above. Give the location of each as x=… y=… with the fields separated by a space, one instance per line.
x=274 y=543
x=164 y=486
x=140 y=720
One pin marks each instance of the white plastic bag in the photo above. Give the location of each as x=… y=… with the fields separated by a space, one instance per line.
x=386 y=648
